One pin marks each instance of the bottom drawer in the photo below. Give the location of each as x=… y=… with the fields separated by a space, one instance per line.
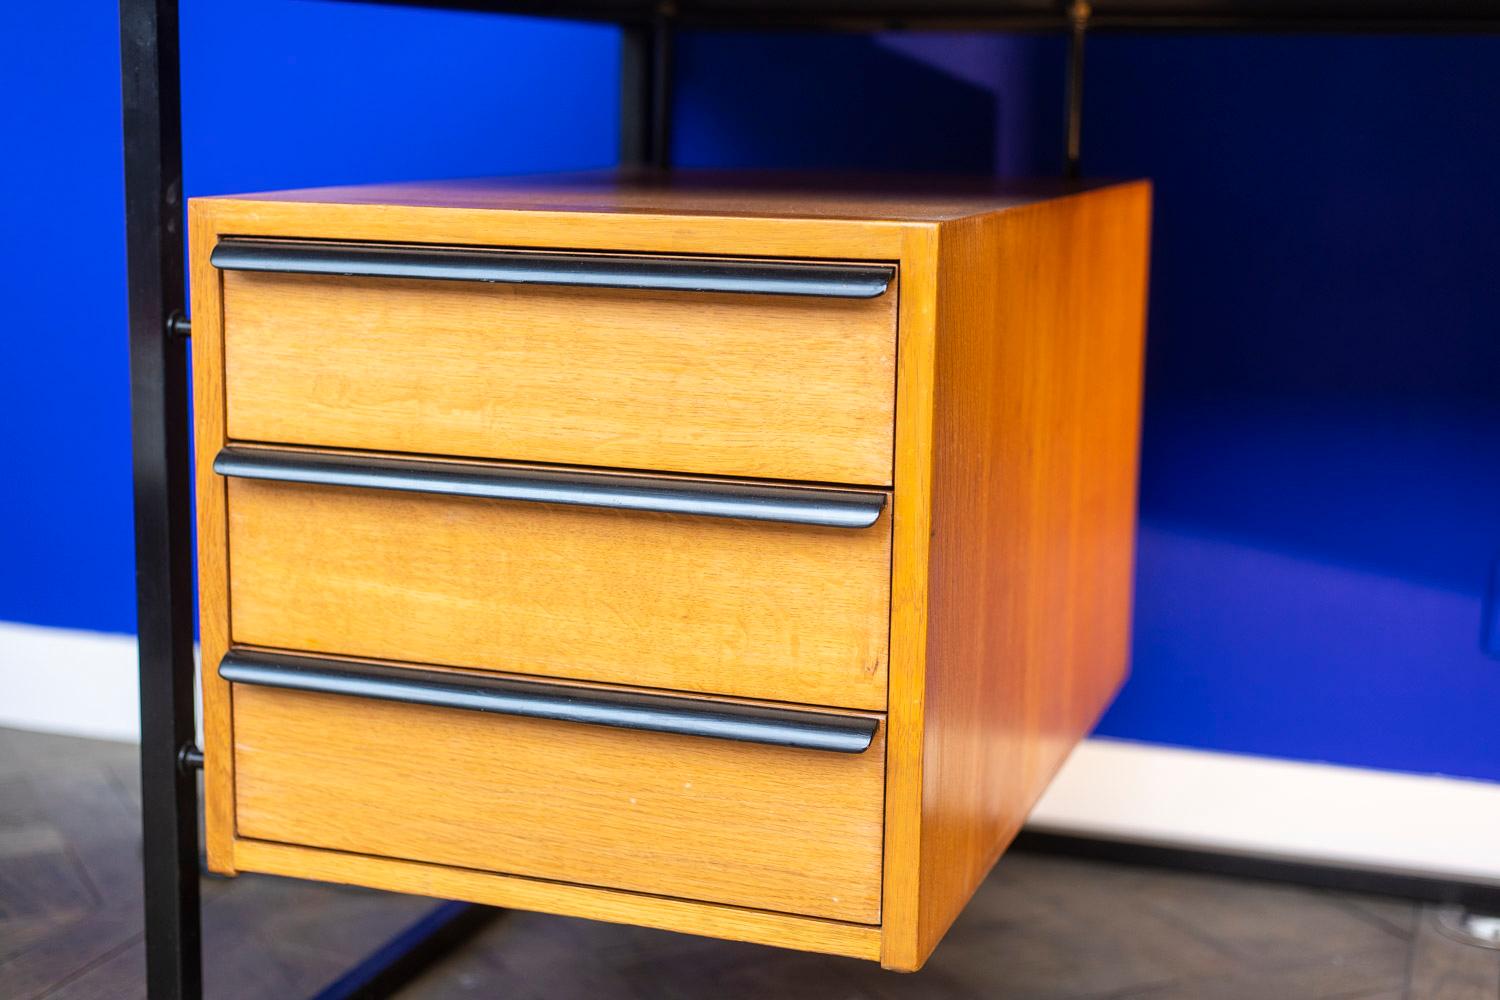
x=779 y=828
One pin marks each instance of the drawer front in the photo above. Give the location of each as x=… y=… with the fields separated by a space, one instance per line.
x=770 y=827
x=784 y=612
x=780 y=386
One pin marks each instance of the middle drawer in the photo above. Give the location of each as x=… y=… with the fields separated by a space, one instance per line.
x=677 y=601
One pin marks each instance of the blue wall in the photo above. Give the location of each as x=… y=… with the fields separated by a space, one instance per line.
x=1321 y=477
x=1320 y=490
x=1320 y=485
x=65 y=533
x=276 y=94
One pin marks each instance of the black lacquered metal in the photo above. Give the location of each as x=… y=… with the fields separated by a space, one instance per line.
x=1111 y=15
x=392 y=966
x=826 y=508
x=163 y=489
x=682 y=274
x=782 y=727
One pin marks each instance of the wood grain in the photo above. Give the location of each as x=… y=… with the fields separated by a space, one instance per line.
x=213 y=568
x=783 y=387
x=609 y=905
x=1036 y=408
x=736 y=195
x=771 y=828
x=782 y=612
x=911 y=531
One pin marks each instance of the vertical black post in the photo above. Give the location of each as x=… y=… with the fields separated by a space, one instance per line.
x=1078 y=21
x=635 y=94
x=646 y=93
x=159 y=433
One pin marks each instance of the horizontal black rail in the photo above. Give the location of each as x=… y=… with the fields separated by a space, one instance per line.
x=828 y=508
x=406 y=956
x=524 y=267
x=1460 y=16
x=782 y=727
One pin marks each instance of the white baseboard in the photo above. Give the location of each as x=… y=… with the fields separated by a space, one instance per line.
x=1378 y=820
x=69 y=681
x=83 y=683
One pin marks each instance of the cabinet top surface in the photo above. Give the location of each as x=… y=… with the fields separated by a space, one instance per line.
x=862 y=197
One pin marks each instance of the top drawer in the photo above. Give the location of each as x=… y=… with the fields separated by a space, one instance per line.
x=780 y=370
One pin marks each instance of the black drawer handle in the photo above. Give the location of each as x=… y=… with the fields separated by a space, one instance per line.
x=791 y=504
x=525 y=267
x=782 y=727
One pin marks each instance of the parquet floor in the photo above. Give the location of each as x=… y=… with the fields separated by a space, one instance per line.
x=1042 y=928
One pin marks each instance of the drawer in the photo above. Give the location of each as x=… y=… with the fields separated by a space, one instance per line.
x=581 y=359
x=792 y=825
x=618 y=579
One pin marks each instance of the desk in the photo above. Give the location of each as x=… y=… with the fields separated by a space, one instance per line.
x=159 y=406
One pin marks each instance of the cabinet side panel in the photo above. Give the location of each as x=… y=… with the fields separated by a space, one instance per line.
x=1038 y=369
x=213 y=554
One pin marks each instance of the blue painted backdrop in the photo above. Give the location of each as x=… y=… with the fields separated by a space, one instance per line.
x=1320 y=489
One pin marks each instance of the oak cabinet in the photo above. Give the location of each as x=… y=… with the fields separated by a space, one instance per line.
x=736 y=555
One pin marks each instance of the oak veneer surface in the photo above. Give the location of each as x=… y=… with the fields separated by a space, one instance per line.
x=778 y=829
x=213 y=550
x=716 y=605
x=1036 y=416
x=513 y=892
x=783 y=387
x=892 y=198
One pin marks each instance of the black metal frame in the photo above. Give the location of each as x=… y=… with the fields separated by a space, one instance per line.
x=163 y=533
x=158 y=328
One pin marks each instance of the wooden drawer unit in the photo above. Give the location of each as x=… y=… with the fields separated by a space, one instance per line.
x=788 y=828
x=795 y=385
x=708 y=554
x=762 y=608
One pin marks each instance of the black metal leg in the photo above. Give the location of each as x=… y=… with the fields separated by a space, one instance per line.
x=163 y=541
x=403 y=957
x=1079 y=13
x=646 y=93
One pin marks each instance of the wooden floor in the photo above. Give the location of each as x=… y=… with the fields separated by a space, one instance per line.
x=1041 y=927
